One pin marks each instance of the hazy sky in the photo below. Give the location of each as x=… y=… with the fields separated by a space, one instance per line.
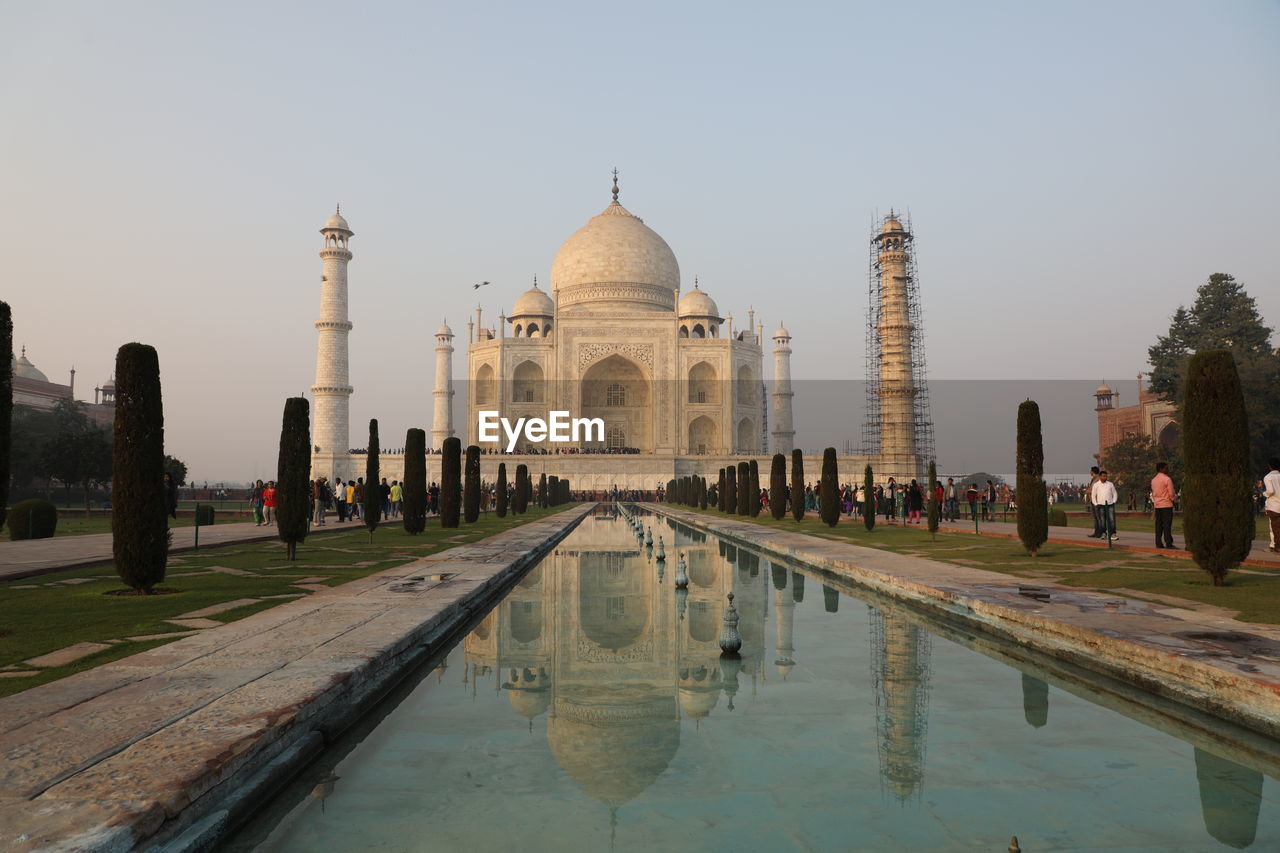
x=1073 y=171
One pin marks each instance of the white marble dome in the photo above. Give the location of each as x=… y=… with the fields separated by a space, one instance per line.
x=336 y=222
x=534 y=302
x=618 y=262
x=24 y=369
x=695 y=303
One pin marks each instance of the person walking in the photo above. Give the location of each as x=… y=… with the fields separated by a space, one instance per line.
x=952 y=498
x=397 y=498
x=269 y=502
x=1162 y=496
x=384 y=492
x=255 y=503
x=989 y=500
x=353 y=499
x=915 y=503
x=318 y=501
x=1271 y=491
x=971 y=497
x=1089 y=504
x=1104 y=498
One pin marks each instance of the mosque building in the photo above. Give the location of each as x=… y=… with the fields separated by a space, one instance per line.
x=679 y=387
x=32 y=389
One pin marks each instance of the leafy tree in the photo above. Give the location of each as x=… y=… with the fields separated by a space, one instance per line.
x=1224 y=316
x=731 y=489
x=6 y=405
x=177 y=469
x=869 y=498
x=372 y=472
x=797 y=484
x=829 y=496
x=31 y=430
x=293 y=475
x=778 y=487
x=933 y=514
x=754 y=470
x=501 y=508
x=139 y=518
x=471 y=486
x=414 y=494
x=77 y=452
x=1217 y=493
x=1033 y=498
x=1131 y=463
x=450 y=480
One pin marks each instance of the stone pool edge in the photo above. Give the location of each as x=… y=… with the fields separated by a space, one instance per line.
x=1198 y=674
x=185 y=784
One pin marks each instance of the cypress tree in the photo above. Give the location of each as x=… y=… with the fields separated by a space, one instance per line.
x=293 y=475
x=6 y=405
x=471 y=485
x=542 y=490
x=1217 y=491
x=520 y=497
x=139 y=520
x=829 y=497
x=731 y=489
x=797 y=484
x=372 y=471
x=450 y=480
x=869 y=498
x=744 y=488
x=934 y=512
x=1033 y=498
x=778 y=486
x=501 y=507
x=702 y=493
x=671 y=495
x=755 y=488
x=415 y=481
x=553 y=490
x=720 y=486
x=691 y=491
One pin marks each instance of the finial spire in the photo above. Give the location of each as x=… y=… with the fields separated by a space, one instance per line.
x=338 y=209
x=535 y=282
x=695 y=282
x=615 y=183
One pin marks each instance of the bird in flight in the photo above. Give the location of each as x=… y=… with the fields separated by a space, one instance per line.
x=478 y=286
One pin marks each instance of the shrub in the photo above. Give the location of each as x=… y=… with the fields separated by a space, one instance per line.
x=1057 y=517
x=1033 y=498
x=139 y=518
x=293 y=475
x=471 y=486
x=829 y=495
x=32 y=519
x=869 y=498
x=500 y=509
x=205 y=514
x=450 y=480
x=797 y=484
x=414 y=494
x=1217 y=491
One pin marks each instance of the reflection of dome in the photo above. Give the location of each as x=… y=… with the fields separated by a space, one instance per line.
x=614 y=751
x=695 y=303
x=697 y=702
x=616 y=259
x=24 y=369
x=533 y=302
x=529 y=703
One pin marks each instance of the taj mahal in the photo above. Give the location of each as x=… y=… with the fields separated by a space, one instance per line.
x=680 y=389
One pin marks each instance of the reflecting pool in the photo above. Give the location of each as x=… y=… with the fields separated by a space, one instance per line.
x=591 y=710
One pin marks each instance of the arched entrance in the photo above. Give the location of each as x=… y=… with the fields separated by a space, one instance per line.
x=617 y=390
x=703 y=436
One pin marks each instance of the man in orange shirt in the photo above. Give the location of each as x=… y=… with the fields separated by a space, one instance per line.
x=1162 y=496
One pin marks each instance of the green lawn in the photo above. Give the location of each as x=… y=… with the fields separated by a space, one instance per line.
x=42 y=614
x=1148 y=523
x=1254 y=593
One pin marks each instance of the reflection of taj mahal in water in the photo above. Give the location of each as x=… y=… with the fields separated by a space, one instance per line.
x=680 y=388
x=599 y=641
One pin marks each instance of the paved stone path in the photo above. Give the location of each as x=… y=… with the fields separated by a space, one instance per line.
x=1227 y=668
x=176 y=743
x=31 y=557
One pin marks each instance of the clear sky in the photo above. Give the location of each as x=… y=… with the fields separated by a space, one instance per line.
x=1073 y=171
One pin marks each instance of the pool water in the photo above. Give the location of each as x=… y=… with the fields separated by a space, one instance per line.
x=591 y=710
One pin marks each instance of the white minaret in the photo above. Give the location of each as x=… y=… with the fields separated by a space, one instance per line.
x=784 y=433
x=330 y=425
x=442 y=425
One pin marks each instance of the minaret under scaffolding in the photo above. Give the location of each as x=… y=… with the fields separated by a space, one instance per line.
x=898 y=425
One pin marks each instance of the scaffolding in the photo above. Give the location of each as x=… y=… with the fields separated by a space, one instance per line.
x=922 y=420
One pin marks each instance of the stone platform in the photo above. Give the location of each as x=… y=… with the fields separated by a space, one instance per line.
x=172 y=747
x=1217 y=667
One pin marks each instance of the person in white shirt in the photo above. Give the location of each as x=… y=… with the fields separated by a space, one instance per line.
x=1271 y=490
x=1103 y=496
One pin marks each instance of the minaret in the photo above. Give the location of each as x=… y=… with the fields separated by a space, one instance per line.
x=896 y=389
x=330 y=432
x=442 y=425
x=784 y=433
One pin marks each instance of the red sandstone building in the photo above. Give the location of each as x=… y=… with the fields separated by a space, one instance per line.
x=1151 y=416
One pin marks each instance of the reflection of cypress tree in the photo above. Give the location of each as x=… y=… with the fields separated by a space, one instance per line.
x=797 y=587
x=779 y=577
x=1035 y=701
x=1230 y=797
x=830 y=599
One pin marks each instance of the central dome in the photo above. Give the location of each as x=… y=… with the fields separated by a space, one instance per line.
x=616 y=261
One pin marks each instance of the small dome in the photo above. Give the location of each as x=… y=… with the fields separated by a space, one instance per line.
x=336 y=223
x=534 y=302
x=24 y=369
x=1103 y=389
x=695 y=303
x=109 y=385
x=782 y=332
x=529 y=703
x=444 y=330
x=891 y=224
